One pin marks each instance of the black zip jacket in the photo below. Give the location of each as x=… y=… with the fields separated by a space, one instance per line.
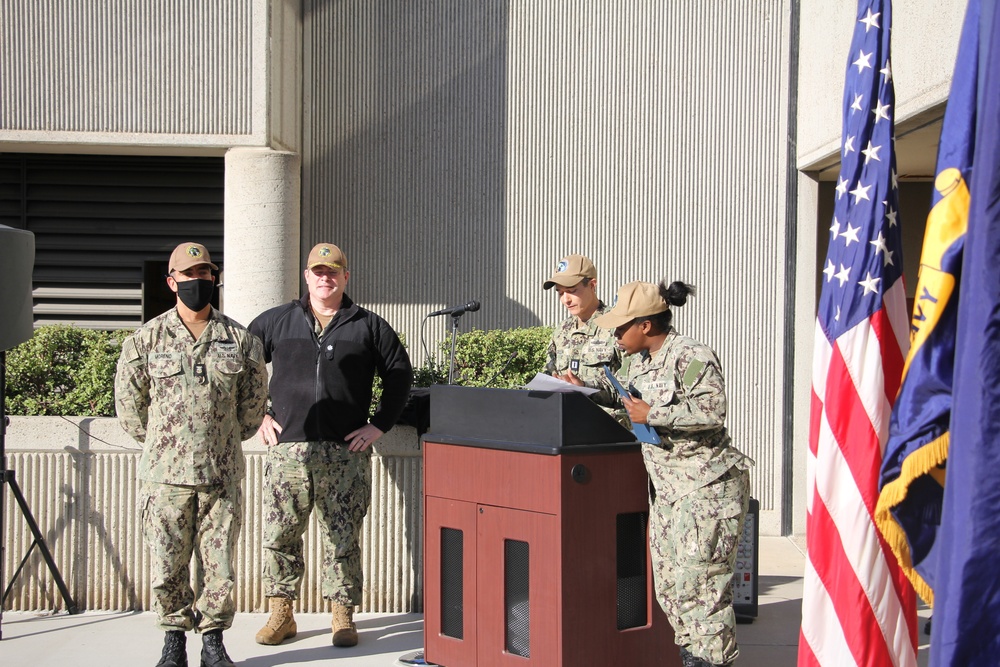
x=321 y=388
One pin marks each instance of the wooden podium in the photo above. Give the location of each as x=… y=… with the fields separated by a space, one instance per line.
x=535 y=547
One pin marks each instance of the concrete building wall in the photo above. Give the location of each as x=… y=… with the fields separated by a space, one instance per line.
x=149 y=74
x=924 y=43
x=457 y=150
x=284 y=115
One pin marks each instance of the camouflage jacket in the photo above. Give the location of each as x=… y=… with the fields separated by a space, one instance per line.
x=684 y=387
x=191 y=403
x=592 y=347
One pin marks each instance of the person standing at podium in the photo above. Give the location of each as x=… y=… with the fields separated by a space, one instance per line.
x=699 y=483
x=324 y=351
x=579 y=348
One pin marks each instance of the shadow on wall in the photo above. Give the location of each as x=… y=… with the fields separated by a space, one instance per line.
x=98 y=529
x=405 y=150
x=404 y=158
x=87 y=537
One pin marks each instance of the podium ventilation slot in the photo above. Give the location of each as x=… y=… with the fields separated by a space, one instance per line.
x=516 y=597
x=452 y=570
x=631 y=565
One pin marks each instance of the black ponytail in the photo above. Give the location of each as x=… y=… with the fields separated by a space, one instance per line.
x=674 y=294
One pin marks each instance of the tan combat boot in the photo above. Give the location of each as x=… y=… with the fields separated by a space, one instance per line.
x=281 y=625
x=345 y=633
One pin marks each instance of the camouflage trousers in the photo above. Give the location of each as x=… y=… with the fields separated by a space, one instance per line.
x=337 y=482
x=693 y=544
x=179 y=522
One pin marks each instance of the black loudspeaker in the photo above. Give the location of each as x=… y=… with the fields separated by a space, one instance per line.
x=17 y=259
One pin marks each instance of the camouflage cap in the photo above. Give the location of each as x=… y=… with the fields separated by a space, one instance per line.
x=570 y=270
x=326 y=254
x=187 y=255
x=637 y=299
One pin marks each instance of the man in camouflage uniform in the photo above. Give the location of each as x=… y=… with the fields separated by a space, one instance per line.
x=579 y=348
x=324 y=351
x=191 y=387
x=699 y=484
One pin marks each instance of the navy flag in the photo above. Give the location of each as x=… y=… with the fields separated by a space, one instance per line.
x=966 y=629
x=913 y=467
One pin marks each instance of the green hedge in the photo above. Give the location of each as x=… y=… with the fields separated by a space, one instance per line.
x=64 y=370
x=480 y=359
x=480 y=356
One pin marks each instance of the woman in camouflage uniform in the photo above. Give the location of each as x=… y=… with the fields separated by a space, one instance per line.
x=699 y=485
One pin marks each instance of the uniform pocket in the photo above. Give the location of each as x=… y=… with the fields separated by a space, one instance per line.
x=164 y=367
x=714 y=515
x=228 y=366
x=596 y=356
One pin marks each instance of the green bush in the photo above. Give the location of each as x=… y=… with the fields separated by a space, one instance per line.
x=480 y=357
x=63 y=370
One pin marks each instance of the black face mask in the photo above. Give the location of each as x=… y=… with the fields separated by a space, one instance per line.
x=195 y=294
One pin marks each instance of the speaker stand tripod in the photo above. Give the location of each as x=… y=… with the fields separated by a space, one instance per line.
x=7 y=478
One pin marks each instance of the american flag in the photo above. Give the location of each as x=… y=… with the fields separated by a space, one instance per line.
x=857 y=607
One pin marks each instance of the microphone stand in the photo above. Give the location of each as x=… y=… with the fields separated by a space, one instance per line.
x=7 y=479
x=454 y=335
x=455 y=313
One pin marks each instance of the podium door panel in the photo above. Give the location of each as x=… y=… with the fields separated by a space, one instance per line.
x=450 y=620
x=519 y=588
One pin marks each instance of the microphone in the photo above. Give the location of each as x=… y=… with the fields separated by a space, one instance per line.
x=456 y=311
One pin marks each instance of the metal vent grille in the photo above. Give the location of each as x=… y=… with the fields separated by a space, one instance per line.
x=631 y=565
x=97 y=219
x=516 y=597
x=452 y=568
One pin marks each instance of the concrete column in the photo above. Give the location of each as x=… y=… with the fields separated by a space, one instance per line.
x=261 y=230
x=806 y=265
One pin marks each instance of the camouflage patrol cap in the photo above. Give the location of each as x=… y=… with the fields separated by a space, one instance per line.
x=570 y=270
x=187 y=255
x=326 y=254
x=636 y=299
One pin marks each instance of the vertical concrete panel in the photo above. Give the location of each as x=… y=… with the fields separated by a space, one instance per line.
x=392 y=539
x=457 y=150
x=86 y=503
x=404 y=152
x=155 y=67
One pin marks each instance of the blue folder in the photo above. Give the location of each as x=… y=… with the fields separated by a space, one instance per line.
x=642 y=432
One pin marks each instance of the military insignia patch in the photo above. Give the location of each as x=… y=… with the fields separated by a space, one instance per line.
x=324 y=252
x=194 y=251
x=563 y=265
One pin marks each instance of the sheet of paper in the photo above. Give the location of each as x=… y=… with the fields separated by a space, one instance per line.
x=543 y=382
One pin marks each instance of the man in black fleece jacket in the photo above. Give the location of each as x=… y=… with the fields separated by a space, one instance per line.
x=324 y=351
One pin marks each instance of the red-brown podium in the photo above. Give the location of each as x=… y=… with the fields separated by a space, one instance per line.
x=535 y=548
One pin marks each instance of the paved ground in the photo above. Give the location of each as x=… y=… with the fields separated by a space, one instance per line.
x=102 y=639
